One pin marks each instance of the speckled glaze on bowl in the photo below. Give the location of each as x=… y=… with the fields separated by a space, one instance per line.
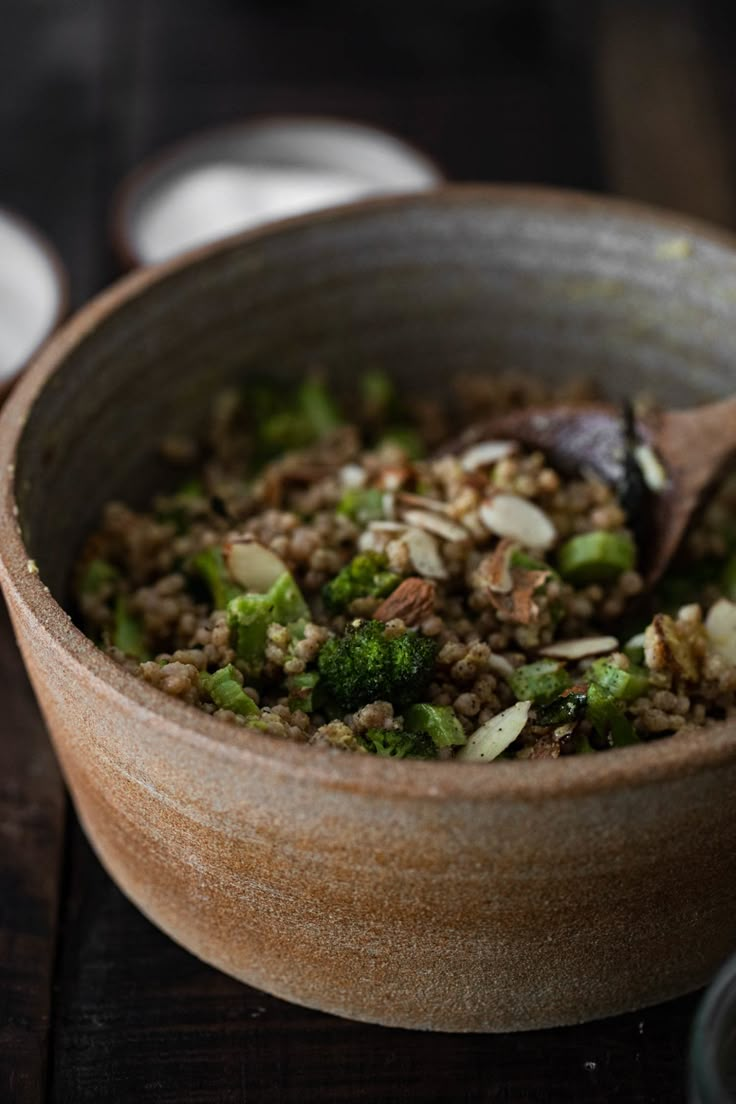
x=456 y=897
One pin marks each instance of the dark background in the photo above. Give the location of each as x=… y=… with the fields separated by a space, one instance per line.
x=638 y=98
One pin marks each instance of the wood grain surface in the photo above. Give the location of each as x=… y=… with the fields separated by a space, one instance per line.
x=96 y=1005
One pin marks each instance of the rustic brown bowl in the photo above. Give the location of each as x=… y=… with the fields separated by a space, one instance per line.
x=457 y=897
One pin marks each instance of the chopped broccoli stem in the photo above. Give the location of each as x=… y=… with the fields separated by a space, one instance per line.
x=565 y=709
x=366 y=665
x=128 y=632
x=540 y=681
x=596 y=557
x=226 y=690
x=97 y=573
x=249 y=616
x=622 y=684
x=365 y=576
x=438 y=721
x=398 y=744
x=361 y=504
x=604 y=712
x=301 y=690
x=209 y=565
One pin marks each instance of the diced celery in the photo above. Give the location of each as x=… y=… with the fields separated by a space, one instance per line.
x=438 y=721
x=623 y=684
x=226 y=691
x=540 y=681
x=605 y=714
x=128 y=632
x=596 y=557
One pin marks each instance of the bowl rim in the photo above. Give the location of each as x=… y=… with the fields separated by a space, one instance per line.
x=60 y=277
x=136 y=179
x=690 y=751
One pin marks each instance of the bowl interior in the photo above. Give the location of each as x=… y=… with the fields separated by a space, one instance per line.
x=426 y=286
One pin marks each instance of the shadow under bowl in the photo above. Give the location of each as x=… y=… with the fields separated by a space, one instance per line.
x=448 y=896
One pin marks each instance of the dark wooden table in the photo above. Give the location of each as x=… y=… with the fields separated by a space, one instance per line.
x=96 y=1005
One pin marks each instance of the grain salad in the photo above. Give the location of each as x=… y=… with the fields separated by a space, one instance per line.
x=353 y=584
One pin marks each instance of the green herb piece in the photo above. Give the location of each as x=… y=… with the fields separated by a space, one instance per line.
x=365 y=665
x=97 y=574
x=540 y=681
x=226 y=690
x=209 y=566
x=301 y=690
x=128 y=633
x=365 y=576
x=596 y=557
x=565 y=709
x=249 y=616
x=438 y=721
x=398 y=744
x=605 y=713
x=362 y=504
x=622 y=684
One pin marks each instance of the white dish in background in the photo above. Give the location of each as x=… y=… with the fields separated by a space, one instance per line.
x=237 y=177
x=32 y=293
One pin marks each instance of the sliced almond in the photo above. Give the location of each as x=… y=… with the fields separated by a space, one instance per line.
x=495 y=570
x=509 y=515
x=251 y=564
x=518 y=604
x=651 y=468
x=424 y=554
x=492 y=738
x=434 y=523
x=412 y=601
x=677 y=646
x=422 y=502
x=720 y=627
x=486 y=453
x=386 y=526
x=392 y=478
x=353 y=476
x=580 y=647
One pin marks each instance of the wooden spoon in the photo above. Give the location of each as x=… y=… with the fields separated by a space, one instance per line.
x=692 y=448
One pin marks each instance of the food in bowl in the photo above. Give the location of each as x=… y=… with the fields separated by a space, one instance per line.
x=361 y=585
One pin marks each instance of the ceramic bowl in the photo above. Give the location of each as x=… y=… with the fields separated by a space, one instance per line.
x=450 y=896
x=33 y=294
x=246 y=174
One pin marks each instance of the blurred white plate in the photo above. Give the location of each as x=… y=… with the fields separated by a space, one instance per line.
x=33 y=293
x=237 y=177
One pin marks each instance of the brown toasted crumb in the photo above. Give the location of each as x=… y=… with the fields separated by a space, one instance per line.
x=412 y=601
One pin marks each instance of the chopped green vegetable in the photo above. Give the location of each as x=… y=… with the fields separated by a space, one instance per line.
x=366 y=665
x=281 y=425
x=362 y=504
x=438 y=721
x=226 y=690
x=398 y=744
x=301 y=690
x=565 y=709
x=365 y=576
x=634 y=648
x=407 y=439
x=128 y=632
x=249 y=616
x=596 y=557
x=377 y=392
x=97 y=574
x=612 y=728
x=209 y=566
x=622 y=684
x=540 y=681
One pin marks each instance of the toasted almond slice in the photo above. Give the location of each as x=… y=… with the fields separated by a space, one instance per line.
x=412 y=601
x=508 y=515
x=495 y=569
x=387 y=526
x=580 y=648
x=492 y=738
x=251 y=564
x=388 y=504
x=422 y=502
x=651 y=467
x=424 y=554
x=486 y=453
x=720 y=628
x=434 y=523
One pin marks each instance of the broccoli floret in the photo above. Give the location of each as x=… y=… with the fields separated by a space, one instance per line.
x=225 y=687
x=210 y=567
x=365 y=576
x=398 y=744
x=366 y=665
x=281 y=425
x=249 y=616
